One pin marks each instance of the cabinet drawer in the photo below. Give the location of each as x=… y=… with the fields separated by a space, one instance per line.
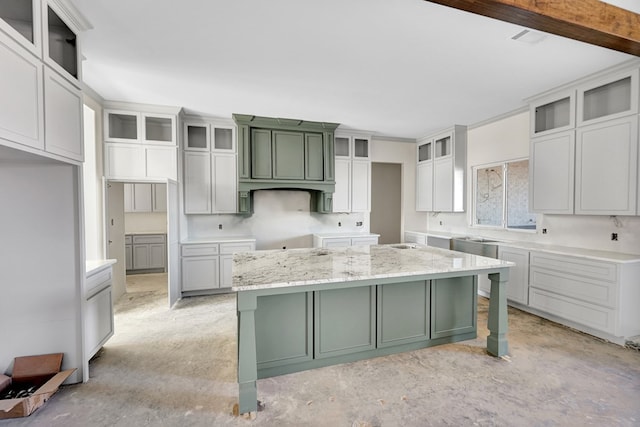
x=144 y=239
x=98 y=281
x=590 y=315
x=364 y=241
x=231 y=248
x=200 y=250
x=128 y=239
x=598 y=270
x=593 y=291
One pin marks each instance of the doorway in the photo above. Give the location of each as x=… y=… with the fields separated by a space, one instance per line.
x=386 y=201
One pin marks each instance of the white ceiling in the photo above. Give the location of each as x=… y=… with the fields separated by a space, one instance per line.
x=401 y=68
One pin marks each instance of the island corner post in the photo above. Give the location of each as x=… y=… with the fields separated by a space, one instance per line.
x=457 y=281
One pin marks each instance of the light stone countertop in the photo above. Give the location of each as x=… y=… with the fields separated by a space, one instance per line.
x=303 y=267
x=93 y=265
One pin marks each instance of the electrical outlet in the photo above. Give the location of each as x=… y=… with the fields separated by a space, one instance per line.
x=339 y=224
x=544 y=231
x=219 y=226
x=614 y=236
x=441 y=223
x=358 y=223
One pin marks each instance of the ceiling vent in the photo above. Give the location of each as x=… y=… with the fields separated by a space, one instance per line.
x=529 y=37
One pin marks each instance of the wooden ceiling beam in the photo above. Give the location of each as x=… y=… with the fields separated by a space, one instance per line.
x=589 y=21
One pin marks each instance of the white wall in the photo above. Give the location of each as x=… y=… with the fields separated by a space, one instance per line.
x=508 y=139
x=145 y=222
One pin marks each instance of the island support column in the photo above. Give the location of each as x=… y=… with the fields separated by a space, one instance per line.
x=497 y=323
x=247 y=360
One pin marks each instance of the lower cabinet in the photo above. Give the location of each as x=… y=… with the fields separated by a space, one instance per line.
x=208 y=266
x=344 y=240
x=145 y=252
x=300 y=330
x=98 y=314
x=518 y=284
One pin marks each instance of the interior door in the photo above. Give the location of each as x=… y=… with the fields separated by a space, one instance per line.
x=114 y=192
x=173 y=243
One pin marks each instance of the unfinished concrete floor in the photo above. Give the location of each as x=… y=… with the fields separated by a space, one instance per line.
x=178 y=368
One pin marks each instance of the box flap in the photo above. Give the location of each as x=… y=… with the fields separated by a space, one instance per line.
x=52 y=385
x=27 y=368
x=7 y=404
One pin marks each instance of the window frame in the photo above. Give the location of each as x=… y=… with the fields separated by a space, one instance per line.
x=504 y=165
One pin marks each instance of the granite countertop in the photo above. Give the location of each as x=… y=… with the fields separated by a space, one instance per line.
x=347 y=234
x=220 y=239
x=300 y=267
x=93 y=265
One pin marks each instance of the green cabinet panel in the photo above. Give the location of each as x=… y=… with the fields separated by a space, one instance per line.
x=453 y=306
x=288 y=155
x=313 y=157
x=329 y=157
x=261 y=154
x=403 y=313
x=243 y=152
x=344 y=321
x=283 y=329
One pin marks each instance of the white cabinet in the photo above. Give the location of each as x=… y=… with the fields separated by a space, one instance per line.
x=210 y=168
x=98 y=313
x=145 y=197
x=21 y=103
x=440 y=171
x=352 y=173
x=606 y=167
x=208 y=266
x=140 y=144
x=598 y=297
x=338 y=240
x=584 y=159
x=63 y=111
x=518 y=284
x=551 y=173
x=147 y=252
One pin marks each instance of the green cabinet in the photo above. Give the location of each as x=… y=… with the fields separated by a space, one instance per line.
x=403 y=313
x=276 y=153
x=453 y=306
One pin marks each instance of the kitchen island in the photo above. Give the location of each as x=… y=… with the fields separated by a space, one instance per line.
x=301 y=309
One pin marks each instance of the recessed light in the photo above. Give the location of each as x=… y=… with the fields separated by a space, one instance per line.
x=529 y=36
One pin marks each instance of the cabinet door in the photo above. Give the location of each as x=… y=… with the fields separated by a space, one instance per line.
x=21 y=110
x=606 y=167
x=196 y=136
x=63 y=117
x=197 y=183
x=261 y=154
x=313 y=157
x=424 y=187
x=140 y=257
x=157 y=255
x=124 y=161
x=200 y=273
x=98 y=321
x=443 y=185
x=551 y=174
x=161 y=162
x=142 y=199
x=518 y=284
x=288 y=155
x=226 y=271
x=453 y=306
x=159 y=197
x=128 y=257
x=342 y=194
x=159 y=128
x=403 y=313
x=360 y=186
x=224 y=183
x=128 y=197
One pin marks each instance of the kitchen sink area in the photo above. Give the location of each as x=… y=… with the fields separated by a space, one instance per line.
x=476 y=246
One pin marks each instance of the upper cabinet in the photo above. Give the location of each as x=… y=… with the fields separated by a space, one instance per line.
x=553 y=113
x=608 y=97
x=141 y=141
x=440 y=171
x=39 y=63
x=276 y=153
x=210 y=167
x=352 y=172
x=584 y=160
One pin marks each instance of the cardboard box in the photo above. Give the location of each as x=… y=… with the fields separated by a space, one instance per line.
x=41 y=372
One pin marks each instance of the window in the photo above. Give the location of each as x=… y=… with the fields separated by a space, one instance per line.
x=501 y=196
